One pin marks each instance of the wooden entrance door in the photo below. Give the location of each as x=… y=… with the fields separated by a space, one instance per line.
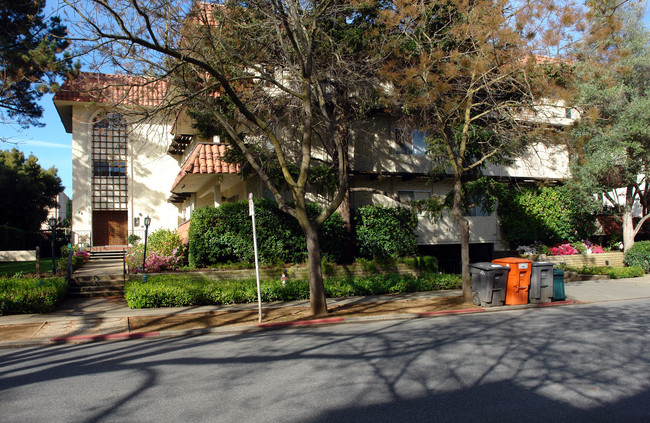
x=109 y=227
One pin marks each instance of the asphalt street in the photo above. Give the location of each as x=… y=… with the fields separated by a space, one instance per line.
x=584 y=363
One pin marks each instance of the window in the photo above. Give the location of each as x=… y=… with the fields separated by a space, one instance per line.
x=410 y=141
x=105 y=168
x=478 y=210
x=109 y=155
x=413 y=195
x=568 y=113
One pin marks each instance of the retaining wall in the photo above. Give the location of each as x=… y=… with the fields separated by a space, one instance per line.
x=614 y=259
x=19 y=255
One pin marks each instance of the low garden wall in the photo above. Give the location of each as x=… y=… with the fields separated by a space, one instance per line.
x=18 y=255
x=614 y=259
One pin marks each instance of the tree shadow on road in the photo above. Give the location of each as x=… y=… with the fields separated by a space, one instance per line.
x=579 y=363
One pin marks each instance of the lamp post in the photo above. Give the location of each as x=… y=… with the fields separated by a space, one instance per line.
x=52 y=223
x=147 y=222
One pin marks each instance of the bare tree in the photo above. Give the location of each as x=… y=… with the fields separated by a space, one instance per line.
x=281 y=80
x=469 y=74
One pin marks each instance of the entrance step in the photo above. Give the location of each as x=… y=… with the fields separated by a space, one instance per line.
x=90 y=286
x=96 y=285
x=106 y=254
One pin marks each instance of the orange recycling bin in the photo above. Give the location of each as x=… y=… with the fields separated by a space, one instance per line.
x=518 y=279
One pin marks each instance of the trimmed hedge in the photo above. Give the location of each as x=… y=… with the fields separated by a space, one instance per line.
x=386 y=232
x=547 y=214
x=12 y=239
x=185 y=290
x=225 y=233
x=612 y=272
x=639 y=255
x=31 y=295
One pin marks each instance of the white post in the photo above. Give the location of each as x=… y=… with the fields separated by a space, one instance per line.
x=251 y=213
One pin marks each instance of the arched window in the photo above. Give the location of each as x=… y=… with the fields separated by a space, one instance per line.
x=109 y=157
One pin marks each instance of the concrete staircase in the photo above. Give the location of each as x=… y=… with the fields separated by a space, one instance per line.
x=102 y=276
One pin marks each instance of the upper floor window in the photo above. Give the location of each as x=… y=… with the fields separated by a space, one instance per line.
x=109 y=160
x=480 y=208
x=567 y=113
x=109 y=168
x=413 y=195
x=410 y=141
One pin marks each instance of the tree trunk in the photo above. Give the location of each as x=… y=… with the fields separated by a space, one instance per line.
x=347 y=249
x=317 y=299
x=628 y=224
x=463 y=225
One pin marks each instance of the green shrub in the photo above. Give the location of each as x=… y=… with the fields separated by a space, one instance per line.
x=426 y=263
x=639 y=255
x=132 y=239
x=165 y=251
x=224 y=233
x=549 y=215
x=79 y=258
x=612 y=272
x=186 y=290
x=386 y=232
x=31 y=295
x=166 y=242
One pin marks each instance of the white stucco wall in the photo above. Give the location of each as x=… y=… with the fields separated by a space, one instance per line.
x=540 y=162
x=430 y=230
x=150 y=172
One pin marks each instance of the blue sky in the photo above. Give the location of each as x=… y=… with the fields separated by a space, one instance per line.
x=52 y=145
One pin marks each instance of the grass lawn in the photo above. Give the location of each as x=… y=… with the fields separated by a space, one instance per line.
x=25 y=267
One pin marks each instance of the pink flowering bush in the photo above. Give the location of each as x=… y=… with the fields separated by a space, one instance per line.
x=582 y=247
x=563 y=250
x=79 y=258
x=85 y=255
x=165 y=251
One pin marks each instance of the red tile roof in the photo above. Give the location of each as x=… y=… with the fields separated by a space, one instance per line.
x=206 y=159
x=115 y=89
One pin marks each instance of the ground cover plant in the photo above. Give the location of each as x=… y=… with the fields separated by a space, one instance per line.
x=31 y=295
x=187 y=290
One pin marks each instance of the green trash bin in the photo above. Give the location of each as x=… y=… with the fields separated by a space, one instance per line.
x=558 y=285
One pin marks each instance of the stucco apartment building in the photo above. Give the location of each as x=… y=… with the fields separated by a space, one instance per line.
x=125 y=169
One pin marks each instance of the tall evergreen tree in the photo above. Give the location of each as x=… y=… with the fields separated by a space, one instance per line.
x=31 y=59
x=27 y=189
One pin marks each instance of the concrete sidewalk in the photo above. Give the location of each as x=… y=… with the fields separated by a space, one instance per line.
x=79 y=320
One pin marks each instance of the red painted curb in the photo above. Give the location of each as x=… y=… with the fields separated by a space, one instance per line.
x=554 y=303
x=105 y=337
x=302 y=322
x=463 y=311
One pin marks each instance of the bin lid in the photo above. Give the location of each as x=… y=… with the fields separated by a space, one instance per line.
x=543 y=264
x=558 y=272
x=486 y=265
x=511 y=260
